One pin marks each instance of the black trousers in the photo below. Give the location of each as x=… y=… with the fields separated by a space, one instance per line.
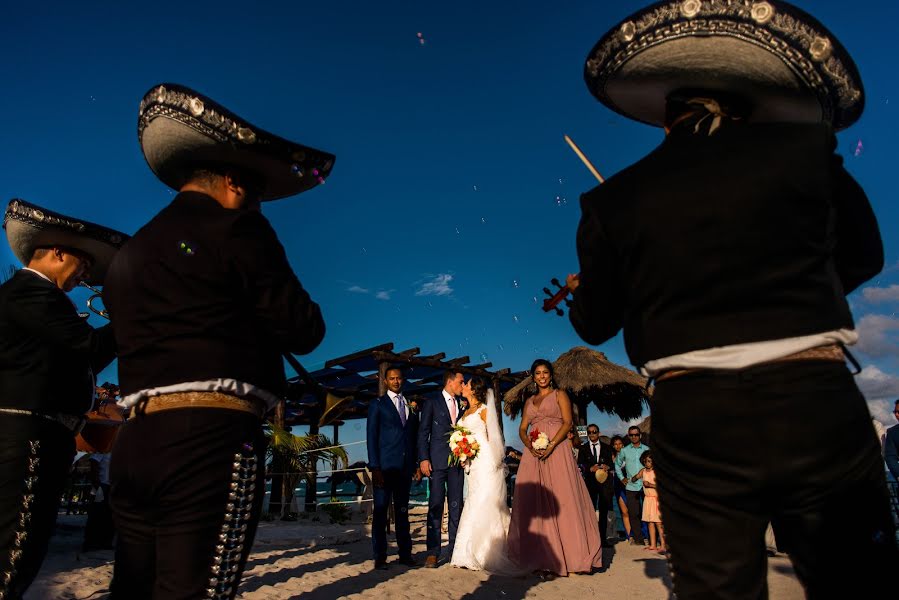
x=634 y=502
x=35 y=459
x=789 y=443
x=396 y=487
x=602 y=502
x=99 y=530
x=187 y=491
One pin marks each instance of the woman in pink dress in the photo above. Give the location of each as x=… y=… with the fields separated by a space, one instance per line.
x=553 y=527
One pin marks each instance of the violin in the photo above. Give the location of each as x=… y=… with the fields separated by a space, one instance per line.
x=555 y=299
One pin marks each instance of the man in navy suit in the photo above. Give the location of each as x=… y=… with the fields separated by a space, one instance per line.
x=437 y=419
x=392 y=431
x=891 y=446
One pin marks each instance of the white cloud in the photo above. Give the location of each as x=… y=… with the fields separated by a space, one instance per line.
x=879 y=294
x=357 y=289
x=384 y=294
x=436 y=286
x=881 y=391
x=877 y=385
x=878 y=335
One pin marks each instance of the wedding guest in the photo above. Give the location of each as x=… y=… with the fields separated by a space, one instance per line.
x=392 y=435
x=595 y=460
x=629 y=462
x=617 y=443
x=651 y=515
x=99 y=529
x=553 y=528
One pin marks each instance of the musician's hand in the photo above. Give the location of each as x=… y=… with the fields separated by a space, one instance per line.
x=572 y=281
x=377 y=478
x=416 y=477
x=594 y=468
x=426 y=468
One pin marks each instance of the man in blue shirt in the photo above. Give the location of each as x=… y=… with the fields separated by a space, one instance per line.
x=626 y=466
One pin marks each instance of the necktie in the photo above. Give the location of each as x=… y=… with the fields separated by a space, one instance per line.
x=453 y=409
x=401 y=407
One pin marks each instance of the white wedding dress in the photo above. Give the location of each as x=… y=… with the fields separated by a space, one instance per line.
x=481 y=537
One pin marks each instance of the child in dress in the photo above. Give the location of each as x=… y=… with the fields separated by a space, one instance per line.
x=651 y=515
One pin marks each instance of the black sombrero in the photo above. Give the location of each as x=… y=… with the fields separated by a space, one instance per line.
x=774 y=55
x=179 y=130
x=29 y=227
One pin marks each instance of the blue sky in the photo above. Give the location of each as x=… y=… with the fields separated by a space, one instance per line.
x=454 y=198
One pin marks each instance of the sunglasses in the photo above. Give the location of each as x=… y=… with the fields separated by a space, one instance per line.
x=634 y=434
x=592 y=431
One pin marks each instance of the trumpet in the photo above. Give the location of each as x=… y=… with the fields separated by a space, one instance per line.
x=90 y=301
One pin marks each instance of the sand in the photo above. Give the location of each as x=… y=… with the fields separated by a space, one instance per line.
x=323 y=561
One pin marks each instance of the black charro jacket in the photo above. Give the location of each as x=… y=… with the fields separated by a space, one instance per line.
x=202 y=292
x=754 y=233
x=48 y=354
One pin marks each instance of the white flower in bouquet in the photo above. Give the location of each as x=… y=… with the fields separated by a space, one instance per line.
x=463 y=446
x=540 y=441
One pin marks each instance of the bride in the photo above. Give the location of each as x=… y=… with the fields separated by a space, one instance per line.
x=481 y=537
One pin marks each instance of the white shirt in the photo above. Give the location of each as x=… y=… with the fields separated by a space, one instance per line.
x=740 y=356
x=451 y=405
x=39 y=274
x=395 y=398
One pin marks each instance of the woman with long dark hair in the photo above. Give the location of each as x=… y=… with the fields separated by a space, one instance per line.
x=553 y=528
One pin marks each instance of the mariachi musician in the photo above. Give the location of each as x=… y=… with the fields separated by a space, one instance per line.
x=726 y=256
x=203 y=303
x=48 y=358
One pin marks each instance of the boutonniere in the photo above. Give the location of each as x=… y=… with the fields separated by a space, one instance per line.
x=413 y=406
x=463 y=404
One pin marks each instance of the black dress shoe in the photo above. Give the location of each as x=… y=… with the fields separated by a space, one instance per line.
x=408 y=561
x=381 y=564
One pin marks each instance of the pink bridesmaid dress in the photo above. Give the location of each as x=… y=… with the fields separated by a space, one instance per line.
x=553 y=526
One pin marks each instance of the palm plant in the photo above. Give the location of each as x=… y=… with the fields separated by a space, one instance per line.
x=298 y=456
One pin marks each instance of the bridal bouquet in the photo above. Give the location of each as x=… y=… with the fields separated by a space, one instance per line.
x=463 y=446
x=539 y=440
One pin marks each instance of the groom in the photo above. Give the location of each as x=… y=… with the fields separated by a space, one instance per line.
x=437 y=419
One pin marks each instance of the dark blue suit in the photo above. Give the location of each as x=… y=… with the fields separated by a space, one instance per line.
x=891 y=450
x=445 y=481
x=391 y=449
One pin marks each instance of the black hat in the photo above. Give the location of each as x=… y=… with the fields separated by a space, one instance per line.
x=180 y=130
x=781 y=60
x=29 y=227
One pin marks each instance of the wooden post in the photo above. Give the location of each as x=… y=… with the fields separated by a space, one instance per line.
x=279 y=482
x=499 y=407
x=334 y=475
x=312 y=479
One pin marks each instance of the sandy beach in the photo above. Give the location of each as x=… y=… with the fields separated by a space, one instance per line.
x=320 y=561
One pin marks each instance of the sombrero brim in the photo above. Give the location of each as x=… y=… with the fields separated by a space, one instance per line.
x=781 y=60
x=29 y=227
x=601 y=476
x=180 y=130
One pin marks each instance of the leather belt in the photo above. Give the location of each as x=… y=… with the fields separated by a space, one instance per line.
x=201 y=400
x=70 y=422
x=829 y=353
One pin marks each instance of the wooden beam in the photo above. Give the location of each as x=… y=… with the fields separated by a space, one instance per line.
x=456 y=363
x=485 y=366
x=388 y=347
x=438 y=356
x=409 y=352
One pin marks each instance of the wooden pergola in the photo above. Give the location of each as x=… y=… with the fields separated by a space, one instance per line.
x=357 y=379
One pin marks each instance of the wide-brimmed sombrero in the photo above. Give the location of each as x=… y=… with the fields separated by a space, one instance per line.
x=180 y=130
x=29 y=227
x=781 y=60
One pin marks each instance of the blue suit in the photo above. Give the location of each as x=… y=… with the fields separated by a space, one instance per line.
x=891 y=450
x=445 y=481
x=391 y=449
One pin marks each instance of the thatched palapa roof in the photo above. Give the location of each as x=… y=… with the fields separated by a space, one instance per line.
x=588 y=376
